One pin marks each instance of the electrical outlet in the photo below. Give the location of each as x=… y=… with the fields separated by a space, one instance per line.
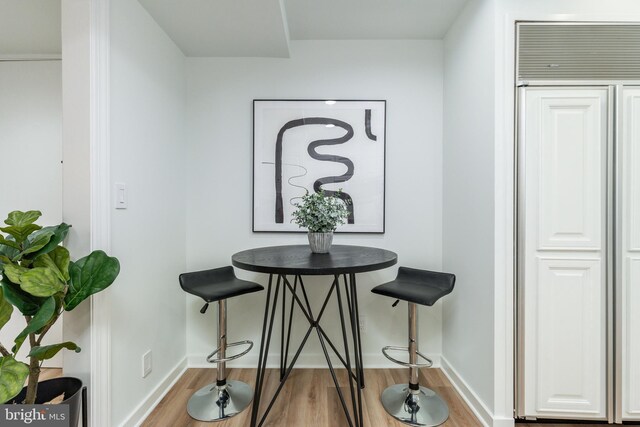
x=146 y=364
x=363 y=324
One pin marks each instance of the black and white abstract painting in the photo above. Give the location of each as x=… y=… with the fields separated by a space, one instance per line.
x=313 y=145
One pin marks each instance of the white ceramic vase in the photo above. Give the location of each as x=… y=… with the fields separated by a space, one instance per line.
x=320 y=243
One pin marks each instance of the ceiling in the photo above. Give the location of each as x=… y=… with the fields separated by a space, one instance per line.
x=370 y=19
x=264 y=27
x=261 y=28
x=223 y=27
x=30 y=27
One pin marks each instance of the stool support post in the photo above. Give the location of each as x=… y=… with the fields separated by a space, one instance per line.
x=222 y=341
x=413 y=346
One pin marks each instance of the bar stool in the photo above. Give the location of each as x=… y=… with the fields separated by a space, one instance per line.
x=225 y=398
x=411 y=403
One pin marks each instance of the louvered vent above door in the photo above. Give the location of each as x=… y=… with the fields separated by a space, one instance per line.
x=578 y=52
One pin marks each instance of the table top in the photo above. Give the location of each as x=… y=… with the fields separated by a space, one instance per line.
x=298 y=259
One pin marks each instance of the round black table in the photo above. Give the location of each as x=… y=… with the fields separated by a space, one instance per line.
x=342 y=262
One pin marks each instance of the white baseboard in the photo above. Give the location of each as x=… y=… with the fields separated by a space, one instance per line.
x=143 y=410
x=309 y=361
x=504 y=422
x=476 y=404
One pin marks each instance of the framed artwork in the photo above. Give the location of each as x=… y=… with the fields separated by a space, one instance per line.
x=313 y=145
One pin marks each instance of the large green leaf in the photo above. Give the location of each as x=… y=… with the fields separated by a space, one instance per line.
x=10 y=243
x=14 y=272
x=45 y=352
x=61 y=258
x=40 y=282
x=90 y=275
x=27 y=304
x=20 y=233
x=35 y=242
x=57 y=260
x=8 y=253
x=13 y=374
x=39 y=321
x=59 y=234
x=4 y=260
x=6 y=309
x=19 y=218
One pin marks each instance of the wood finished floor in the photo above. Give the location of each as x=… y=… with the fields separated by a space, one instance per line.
x=307 y=408
x=308 y=399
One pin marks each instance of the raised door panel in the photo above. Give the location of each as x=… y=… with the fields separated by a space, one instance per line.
x=569 y=337
x=631 y=342
x=564 y=135
x=630 y=254
x=570 y=191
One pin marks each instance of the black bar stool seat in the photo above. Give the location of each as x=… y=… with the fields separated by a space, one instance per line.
x=418 y=286
x=214 y=285
x=224 y=398
x=411 y=403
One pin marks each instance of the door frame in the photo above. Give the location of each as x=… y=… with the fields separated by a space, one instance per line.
x=100 y=229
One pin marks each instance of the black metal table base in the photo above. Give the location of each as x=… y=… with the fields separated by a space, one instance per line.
x=342 y=283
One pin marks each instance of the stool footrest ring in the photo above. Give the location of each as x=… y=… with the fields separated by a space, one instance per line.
x=211 y=359
x=407 y=364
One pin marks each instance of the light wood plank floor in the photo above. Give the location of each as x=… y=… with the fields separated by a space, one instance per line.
x=304 y=408
x=309 y=399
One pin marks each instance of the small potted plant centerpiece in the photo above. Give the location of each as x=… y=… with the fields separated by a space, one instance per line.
x=41 y=282
x=320 y=214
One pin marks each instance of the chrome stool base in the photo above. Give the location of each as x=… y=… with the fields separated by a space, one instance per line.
x=424 y=408
x=213 y=403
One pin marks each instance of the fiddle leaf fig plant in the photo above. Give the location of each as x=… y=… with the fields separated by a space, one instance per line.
x=320 y=213
x=40 y=281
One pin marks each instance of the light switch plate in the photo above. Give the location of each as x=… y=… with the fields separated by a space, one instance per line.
x=120 y=195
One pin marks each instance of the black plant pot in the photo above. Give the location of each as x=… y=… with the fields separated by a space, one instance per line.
x=50 y=389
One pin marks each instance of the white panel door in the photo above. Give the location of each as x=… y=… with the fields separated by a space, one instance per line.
x=564 y=137
x=629 y=206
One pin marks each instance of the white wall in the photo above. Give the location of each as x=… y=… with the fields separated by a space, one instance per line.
x=567 y=9
x=408 y=74
x=468 y=197
x=148 y=154
x=31 y=139
x=31 y=134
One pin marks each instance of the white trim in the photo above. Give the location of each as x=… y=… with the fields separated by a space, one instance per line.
x=472 y=400
x=305 y=361
x=100 y=395
x=285 y=24
x=504 y=185
x=30 y=57
x=148 y=404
